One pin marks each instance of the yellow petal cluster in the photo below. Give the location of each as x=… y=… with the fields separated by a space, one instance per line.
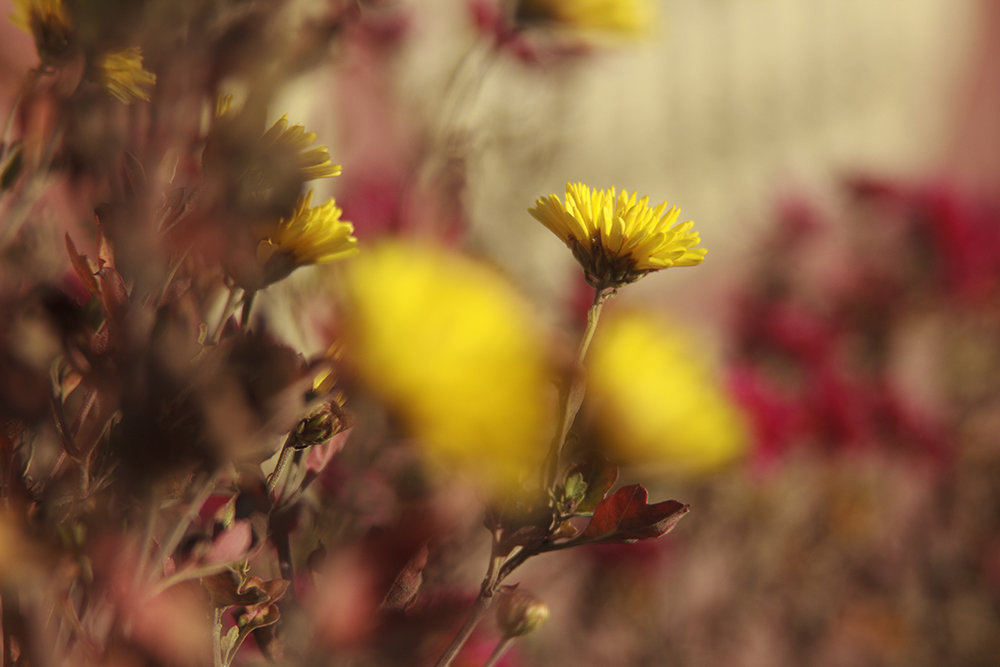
x=311 y=163
x=122 y=75
x=656 y=402
x=310 y=235
x=617 y=238
x=450 y=347
x=622 y=16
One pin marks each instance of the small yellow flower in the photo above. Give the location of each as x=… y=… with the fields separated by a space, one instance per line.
x=122 y=75
x=655 y=401
x=50 y=25
x=311 y=162
x=450 y=347
x=310 y=235
x=618 y=240
x=622 y=16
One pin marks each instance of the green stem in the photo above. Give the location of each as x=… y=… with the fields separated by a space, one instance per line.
x=284 y=459
x=248 y=298
x=177 y=532
x=573 y=398
x=217 y=658
x=502 y=647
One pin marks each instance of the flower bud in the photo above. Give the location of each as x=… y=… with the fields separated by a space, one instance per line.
x=519 y=613
x=319 y=427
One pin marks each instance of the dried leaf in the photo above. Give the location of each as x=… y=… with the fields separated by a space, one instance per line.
x=407 y=584
x=226 y=589
x=625 y=516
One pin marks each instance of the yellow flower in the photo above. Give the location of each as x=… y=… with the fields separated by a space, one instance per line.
x=623 y=16
x=310 y=235
x=296 y=140
x=618 y=240
x=655 y=401
x=50 y=25
x=122 y=75
x=450 y=348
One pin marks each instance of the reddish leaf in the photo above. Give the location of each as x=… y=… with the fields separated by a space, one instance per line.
x=82 y=267
x=625 y=516
x=226 y=589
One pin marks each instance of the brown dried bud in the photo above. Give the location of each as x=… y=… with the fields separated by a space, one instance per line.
x=519 y=613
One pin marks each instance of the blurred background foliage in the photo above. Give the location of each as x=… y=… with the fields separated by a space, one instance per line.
x=841 y=160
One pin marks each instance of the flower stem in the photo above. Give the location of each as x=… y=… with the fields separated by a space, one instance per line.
x=284 y=459
x=479 y=609
x=248 y=298
x=501 y=649
x=574 y=392
x=227 y=309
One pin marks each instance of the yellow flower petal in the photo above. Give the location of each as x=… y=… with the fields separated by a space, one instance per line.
x=618 y=239
x=656 y=402
x=450 y=347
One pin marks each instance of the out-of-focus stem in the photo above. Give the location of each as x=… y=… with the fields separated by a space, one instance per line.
x=227 y=309
x=501 y=648
x=248 y=298
x=479 y=609
x=177 y=533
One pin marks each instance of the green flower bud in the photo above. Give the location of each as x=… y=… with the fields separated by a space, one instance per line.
x=519 y=613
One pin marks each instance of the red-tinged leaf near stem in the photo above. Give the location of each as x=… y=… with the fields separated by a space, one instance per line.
x=625 y=516
x=82 y=267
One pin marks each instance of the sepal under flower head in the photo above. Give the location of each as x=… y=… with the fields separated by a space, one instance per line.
x=618 y=239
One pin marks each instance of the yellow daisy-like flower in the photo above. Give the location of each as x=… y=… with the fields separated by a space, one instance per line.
x=122 y=75
x=310 y=235
x=655 y=401
x=296 y=140
x=622 y=16
x=618 y=240
x=50 y=25
x=451 y=348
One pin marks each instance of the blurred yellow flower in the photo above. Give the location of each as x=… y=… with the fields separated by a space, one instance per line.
x=48 y=22
x=450 y=347
x=122 y=75
x=311 y=162
x=310 y=235
x=656 y=402
x=624 y=16
x=618 y=240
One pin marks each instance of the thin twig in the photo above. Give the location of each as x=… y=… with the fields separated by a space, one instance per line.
x=501 y=648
